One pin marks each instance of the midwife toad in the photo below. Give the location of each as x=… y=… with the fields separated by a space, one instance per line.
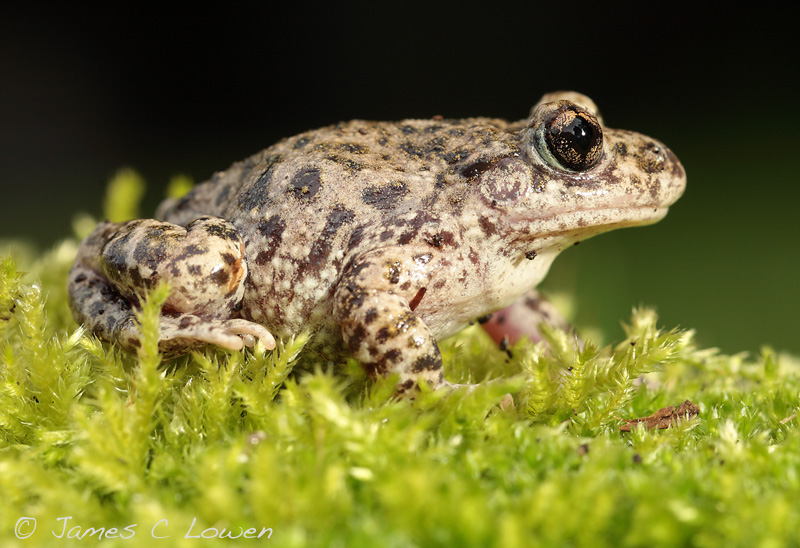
x=378 y=237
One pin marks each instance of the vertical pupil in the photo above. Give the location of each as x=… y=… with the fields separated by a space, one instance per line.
x=582 y=134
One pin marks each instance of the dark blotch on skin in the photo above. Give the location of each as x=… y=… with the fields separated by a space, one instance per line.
x=353 y=298
x=345 y=162
x=407 y=236
x=411 y=149
x=405 y=387
x=393 y=356
x=436 y=146
x=428 y=362
x=435 y=240
x=383 y=335
x=476 y=168
x=272 y=228
x=371 y=316
x=413 y=227
x=185 y=322
x=257 y=194
x=136 y=276
x=321 y=248
x=445 y=238
x=272 y=231
x=455 y=156
x=305 y=184
x=489 y=229
x=263 y=257
x=97 y=308
x=150 y=251
x=356 y=237
x=358 y=268
x=353 y=148
x=372 y=369
x=190 y=250
x=220 y=277
x=355 y=340
x=220 y=230
x=499 y=177
x=384 y=196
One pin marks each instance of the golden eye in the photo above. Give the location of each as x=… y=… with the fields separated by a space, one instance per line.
x=574 y=138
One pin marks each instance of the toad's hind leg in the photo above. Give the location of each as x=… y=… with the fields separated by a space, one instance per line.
x=203 y=263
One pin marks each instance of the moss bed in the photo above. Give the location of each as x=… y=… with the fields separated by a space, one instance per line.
x=98 y=447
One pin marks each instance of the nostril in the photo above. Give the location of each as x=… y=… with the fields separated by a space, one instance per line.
x=651 y=158
x=654 y=150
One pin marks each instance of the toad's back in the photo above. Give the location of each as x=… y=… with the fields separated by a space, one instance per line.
x=306 y=204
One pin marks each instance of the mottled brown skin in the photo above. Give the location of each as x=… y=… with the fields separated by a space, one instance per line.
x=382 y=237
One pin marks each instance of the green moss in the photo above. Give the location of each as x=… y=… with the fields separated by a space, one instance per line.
x=257 y=440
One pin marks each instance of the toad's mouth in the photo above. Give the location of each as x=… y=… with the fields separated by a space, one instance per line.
x=561 y=229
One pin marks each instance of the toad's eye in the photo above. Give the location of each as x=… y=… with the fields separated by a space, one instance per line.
x=574 y=138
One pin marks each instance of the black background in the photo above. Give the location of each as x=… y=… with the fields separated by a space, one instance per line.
x=189 y=92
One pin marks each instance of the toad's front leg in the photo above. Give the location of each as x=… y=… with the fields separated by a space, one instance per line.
x=382 y=331
x=203 y=263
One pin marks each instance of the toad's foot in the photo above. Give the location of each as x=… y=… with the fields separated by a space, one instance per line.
x=185 y=330
x=522 y=319
x=112 y=318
